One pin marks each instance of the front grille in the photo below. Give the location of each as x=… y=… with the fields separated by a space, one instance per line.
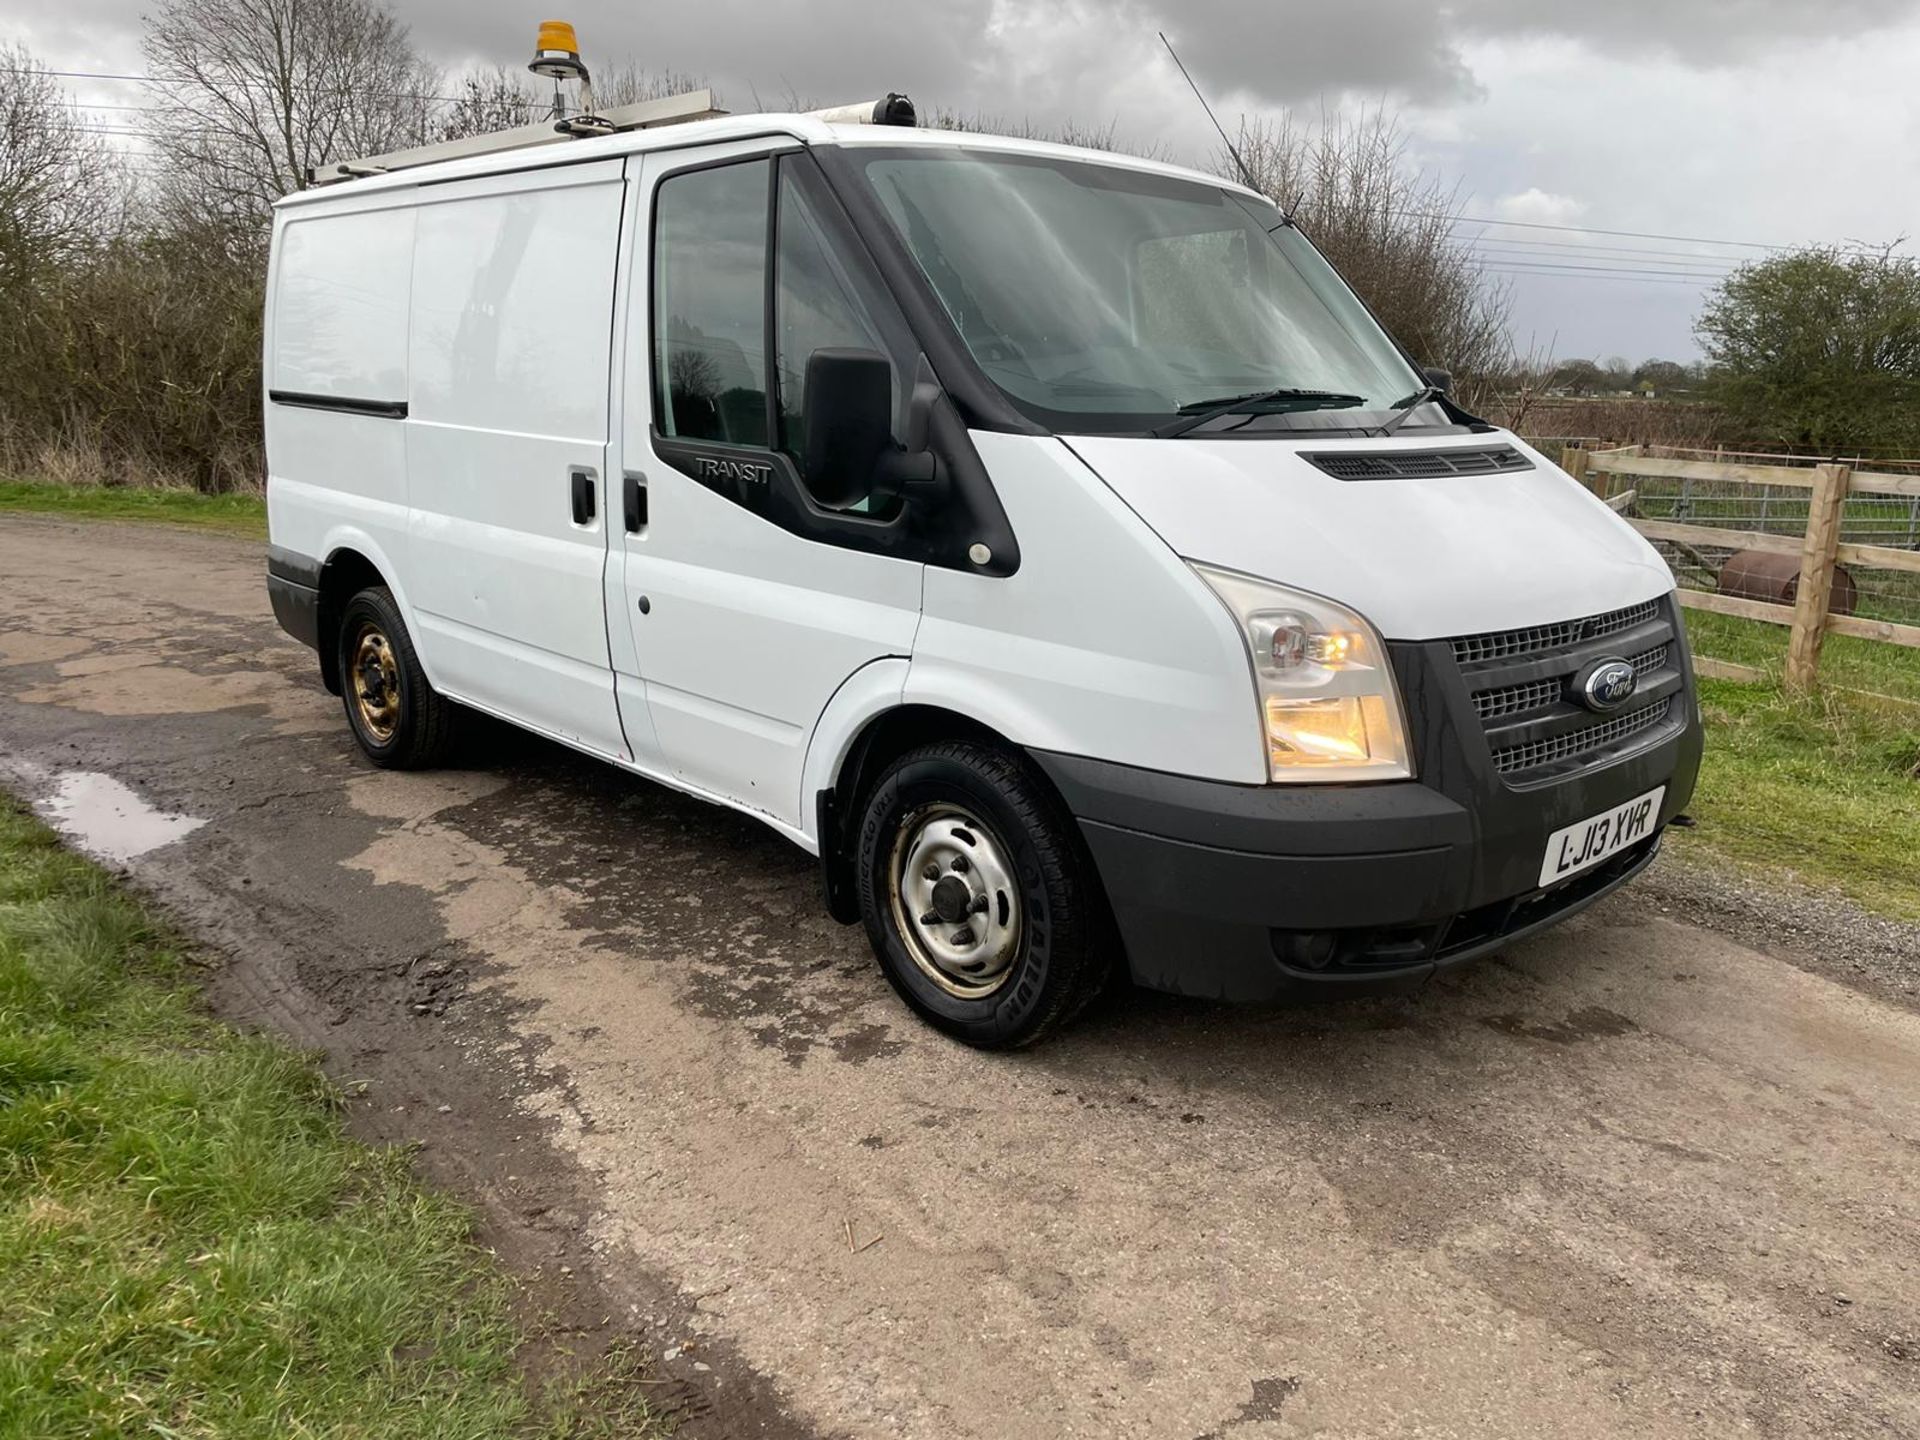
x=1520 y=684
x=1536 y=754
x=1418 y=464
x=1537 y=639
x=1541 y=694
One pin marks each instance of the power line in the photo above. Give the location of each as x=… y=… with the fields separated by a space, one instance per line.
x=1611 y=269
x=70 y=74
x=1700 y=277
x=1629 y=275
x=1626 y=279
x=234 y=83
x=1563 y=247
x=1661 y=268
x=1451 y=220
x=1597 y=230
x=1558 y=255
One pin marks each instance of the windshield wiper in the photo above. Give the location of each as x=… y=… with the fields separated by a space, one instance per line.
x=1198 y=412
x=1406 y=408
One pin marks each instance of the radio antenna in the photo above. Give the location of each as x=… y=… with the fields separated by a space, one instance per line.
x=1246 y=175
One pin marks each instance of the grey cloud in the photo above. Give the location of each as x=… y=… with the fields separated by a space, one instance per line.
x=1281 y=52
x=1044 y=58
x=1070 y=55
x=967 y=53
x=823 y=50
x=1699 y=32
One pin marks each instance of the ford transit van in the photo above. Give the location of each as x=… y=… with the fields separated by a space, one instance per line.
x=1047 y=540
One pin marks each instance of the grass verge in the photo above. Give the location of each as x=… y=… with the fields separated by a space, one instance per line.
x=191 y=1246
x=229 y=514
x=1846 y=663
x=1827 y=789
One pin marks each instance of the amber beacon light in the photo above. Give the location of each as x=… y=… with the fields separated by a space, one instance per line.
x=557 y=52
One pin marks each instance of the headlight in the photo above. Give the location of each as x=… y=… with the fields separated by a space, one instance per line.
x=1331 y=708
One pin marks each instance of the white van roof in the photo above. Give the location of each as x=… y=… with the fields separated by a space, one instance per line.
x=807 y=129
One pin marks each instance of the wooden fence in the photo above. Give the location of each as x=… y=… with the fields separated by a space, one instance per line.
x=1820 y=548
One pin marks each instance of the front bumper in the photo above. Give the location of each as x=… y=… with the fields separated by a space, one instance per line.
x=1251 y=893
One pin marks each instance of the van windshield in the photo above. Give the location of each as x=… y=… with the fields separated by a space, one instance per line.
x=1108 y=300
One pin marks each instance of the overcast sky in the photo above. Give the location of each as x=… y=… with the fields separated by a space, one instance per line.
x=1772 y=121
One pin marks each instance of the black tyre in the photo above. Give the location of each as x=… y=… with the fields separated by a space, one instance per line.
x=977 y=896
x=399 y=720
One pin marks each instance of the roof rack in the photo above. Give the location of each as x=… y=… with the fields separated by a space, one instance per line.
x=671 y=110
x=891 y=109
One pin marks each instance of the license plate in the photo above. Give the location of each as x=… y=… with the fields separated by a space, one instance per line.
x=1585 y=844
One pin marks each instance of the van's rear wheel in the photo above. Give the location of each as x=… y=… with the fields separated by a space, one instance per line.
x=976 y=895
x=399 y=720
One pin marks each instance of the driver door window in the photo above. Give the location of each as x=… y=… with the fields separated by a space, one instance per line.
x=709 y=304
x=712 y=377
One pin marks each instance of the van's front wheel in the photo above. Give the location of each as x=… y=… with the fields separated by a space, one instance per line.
x=976 y=895
x=398 y=718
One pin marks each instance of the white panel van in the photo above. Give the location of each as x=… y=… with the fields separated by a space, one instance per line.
x=1047 y=540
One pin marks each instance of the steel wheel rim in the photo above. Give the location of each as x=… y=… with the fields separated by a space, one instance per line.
x=955 y=903
x=375 y=677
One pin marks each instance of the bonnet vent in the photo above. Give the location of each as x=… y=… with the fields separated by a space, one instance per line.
x=1418 y=464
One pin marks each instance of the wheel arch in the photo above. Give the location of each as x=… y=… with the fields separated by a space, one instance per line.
x=353 y=563
x=883 y=737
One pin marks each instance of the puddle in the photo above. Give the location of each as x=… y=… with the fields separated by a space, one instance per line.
x=107 y=820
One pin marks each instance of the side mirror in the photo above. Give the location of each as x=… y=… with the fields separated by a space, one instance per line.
x=848 y=420
x=1441 y=380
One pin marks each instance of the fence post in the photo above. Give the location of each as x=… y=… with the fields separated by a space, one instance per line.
x=1577 y=462
x=1815 y=591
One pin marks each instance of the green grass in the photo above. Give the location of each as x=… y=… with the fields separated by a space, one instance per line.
x=190 y=1246
x=231 y=514
x=1825 y=789
x=1846 y=663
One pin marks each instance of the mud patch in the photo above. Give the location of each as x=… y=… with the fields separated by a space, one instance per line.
x=730 y=910
x=23 y=648
x=156 y=689
x=1592 y=1022
x=866 y=1042
x=1268 y=1396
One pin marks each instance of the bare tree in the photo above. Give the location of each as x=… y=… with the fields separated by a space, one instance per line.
x=484 y=101
x=1388 y=228
x=55 y=177
x=1065 y=132
x=498 y=98
x=627 y=84
x=258 y=93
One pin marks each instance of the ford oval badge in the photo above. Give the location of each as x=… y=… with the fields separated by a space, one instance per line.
x=1606 y=684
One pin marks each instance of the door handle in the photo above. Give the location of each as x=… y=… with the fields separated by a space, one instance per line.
x=633 y=492
x=584 y=495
